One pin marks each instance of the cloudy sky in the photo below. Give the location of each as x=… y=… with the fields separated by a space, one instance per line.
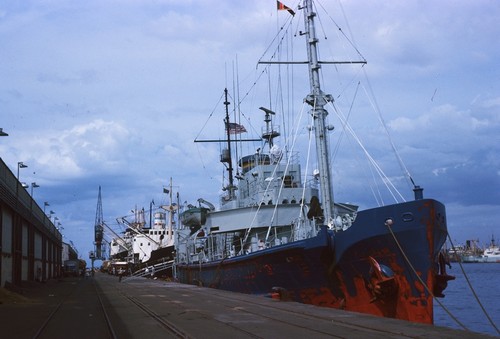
x=113 y=93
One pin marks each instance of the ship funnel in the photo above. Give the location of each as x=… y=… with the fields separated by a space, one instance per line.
x=419 y=192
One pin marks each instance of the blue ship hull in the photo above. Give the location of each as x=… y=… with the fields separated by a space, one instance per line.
x=374 y=268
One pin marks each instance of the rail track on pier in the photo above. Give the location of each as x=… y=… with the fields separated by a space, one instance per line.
x=85 y=304
x=76 y=304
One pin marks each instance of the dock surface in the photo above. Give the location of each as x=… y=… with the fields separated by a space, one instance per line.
x=104 y=307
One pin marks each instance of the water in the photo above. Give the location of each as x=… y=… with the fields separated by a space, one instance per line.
x=460 y=301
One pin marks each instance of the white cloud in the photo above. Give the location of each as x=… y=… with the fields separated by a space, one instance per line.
x=87 y=149
x=493 y=102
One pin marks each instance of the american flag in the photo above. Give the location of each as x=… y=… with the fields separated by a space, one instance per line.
x=235 y=128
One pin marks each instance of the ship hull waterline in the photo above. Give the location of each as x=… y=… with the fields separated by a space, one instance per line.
x=336 y=269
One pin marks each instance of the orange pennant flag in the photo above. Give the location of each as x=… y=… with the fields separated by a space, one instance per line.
x=282 y=7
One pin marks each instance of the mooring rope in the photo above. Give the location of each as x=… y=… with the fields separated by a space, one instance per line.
x=422 y=282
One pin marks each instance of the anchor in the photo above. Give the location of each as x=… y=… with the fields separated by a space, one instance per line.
x=442 y=277
x=381 y=283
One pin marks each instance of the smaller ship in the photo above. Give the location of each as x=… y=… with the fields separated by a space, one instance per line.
x=469 y=253
x=492 y=252
x=144 y=244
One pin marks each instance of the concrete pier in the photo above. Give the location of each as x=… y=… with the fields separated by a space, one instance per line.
x=147 y=308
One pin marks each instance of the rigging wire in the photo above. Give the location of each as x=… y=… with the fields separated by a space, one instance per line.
x=237 y=106
x=282 y=181
x=280 y=35
x=351 y=41
x=210 y=116
x=343 y=133
x=286 y=83
x=236 y=118
x=377 y=194
x=201 y=130
x=373 y=102
x=390 y=186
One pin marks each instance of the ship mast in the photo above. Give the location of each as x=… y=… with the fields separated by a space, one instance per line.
x=170 y=214
x=226 y=156
x=317 y=99
x=229 y=161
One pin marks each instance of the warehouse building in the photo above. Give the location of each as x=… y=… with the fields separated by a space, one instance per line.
x=31 y=246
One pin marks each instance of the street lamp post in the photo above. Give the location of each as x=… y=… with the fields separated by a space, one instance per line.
x=20 y=164
x=45 y=204
x=33 y=185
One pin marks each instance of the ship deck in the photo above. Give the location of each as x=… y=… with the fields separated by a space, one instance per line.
x=140 y=307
